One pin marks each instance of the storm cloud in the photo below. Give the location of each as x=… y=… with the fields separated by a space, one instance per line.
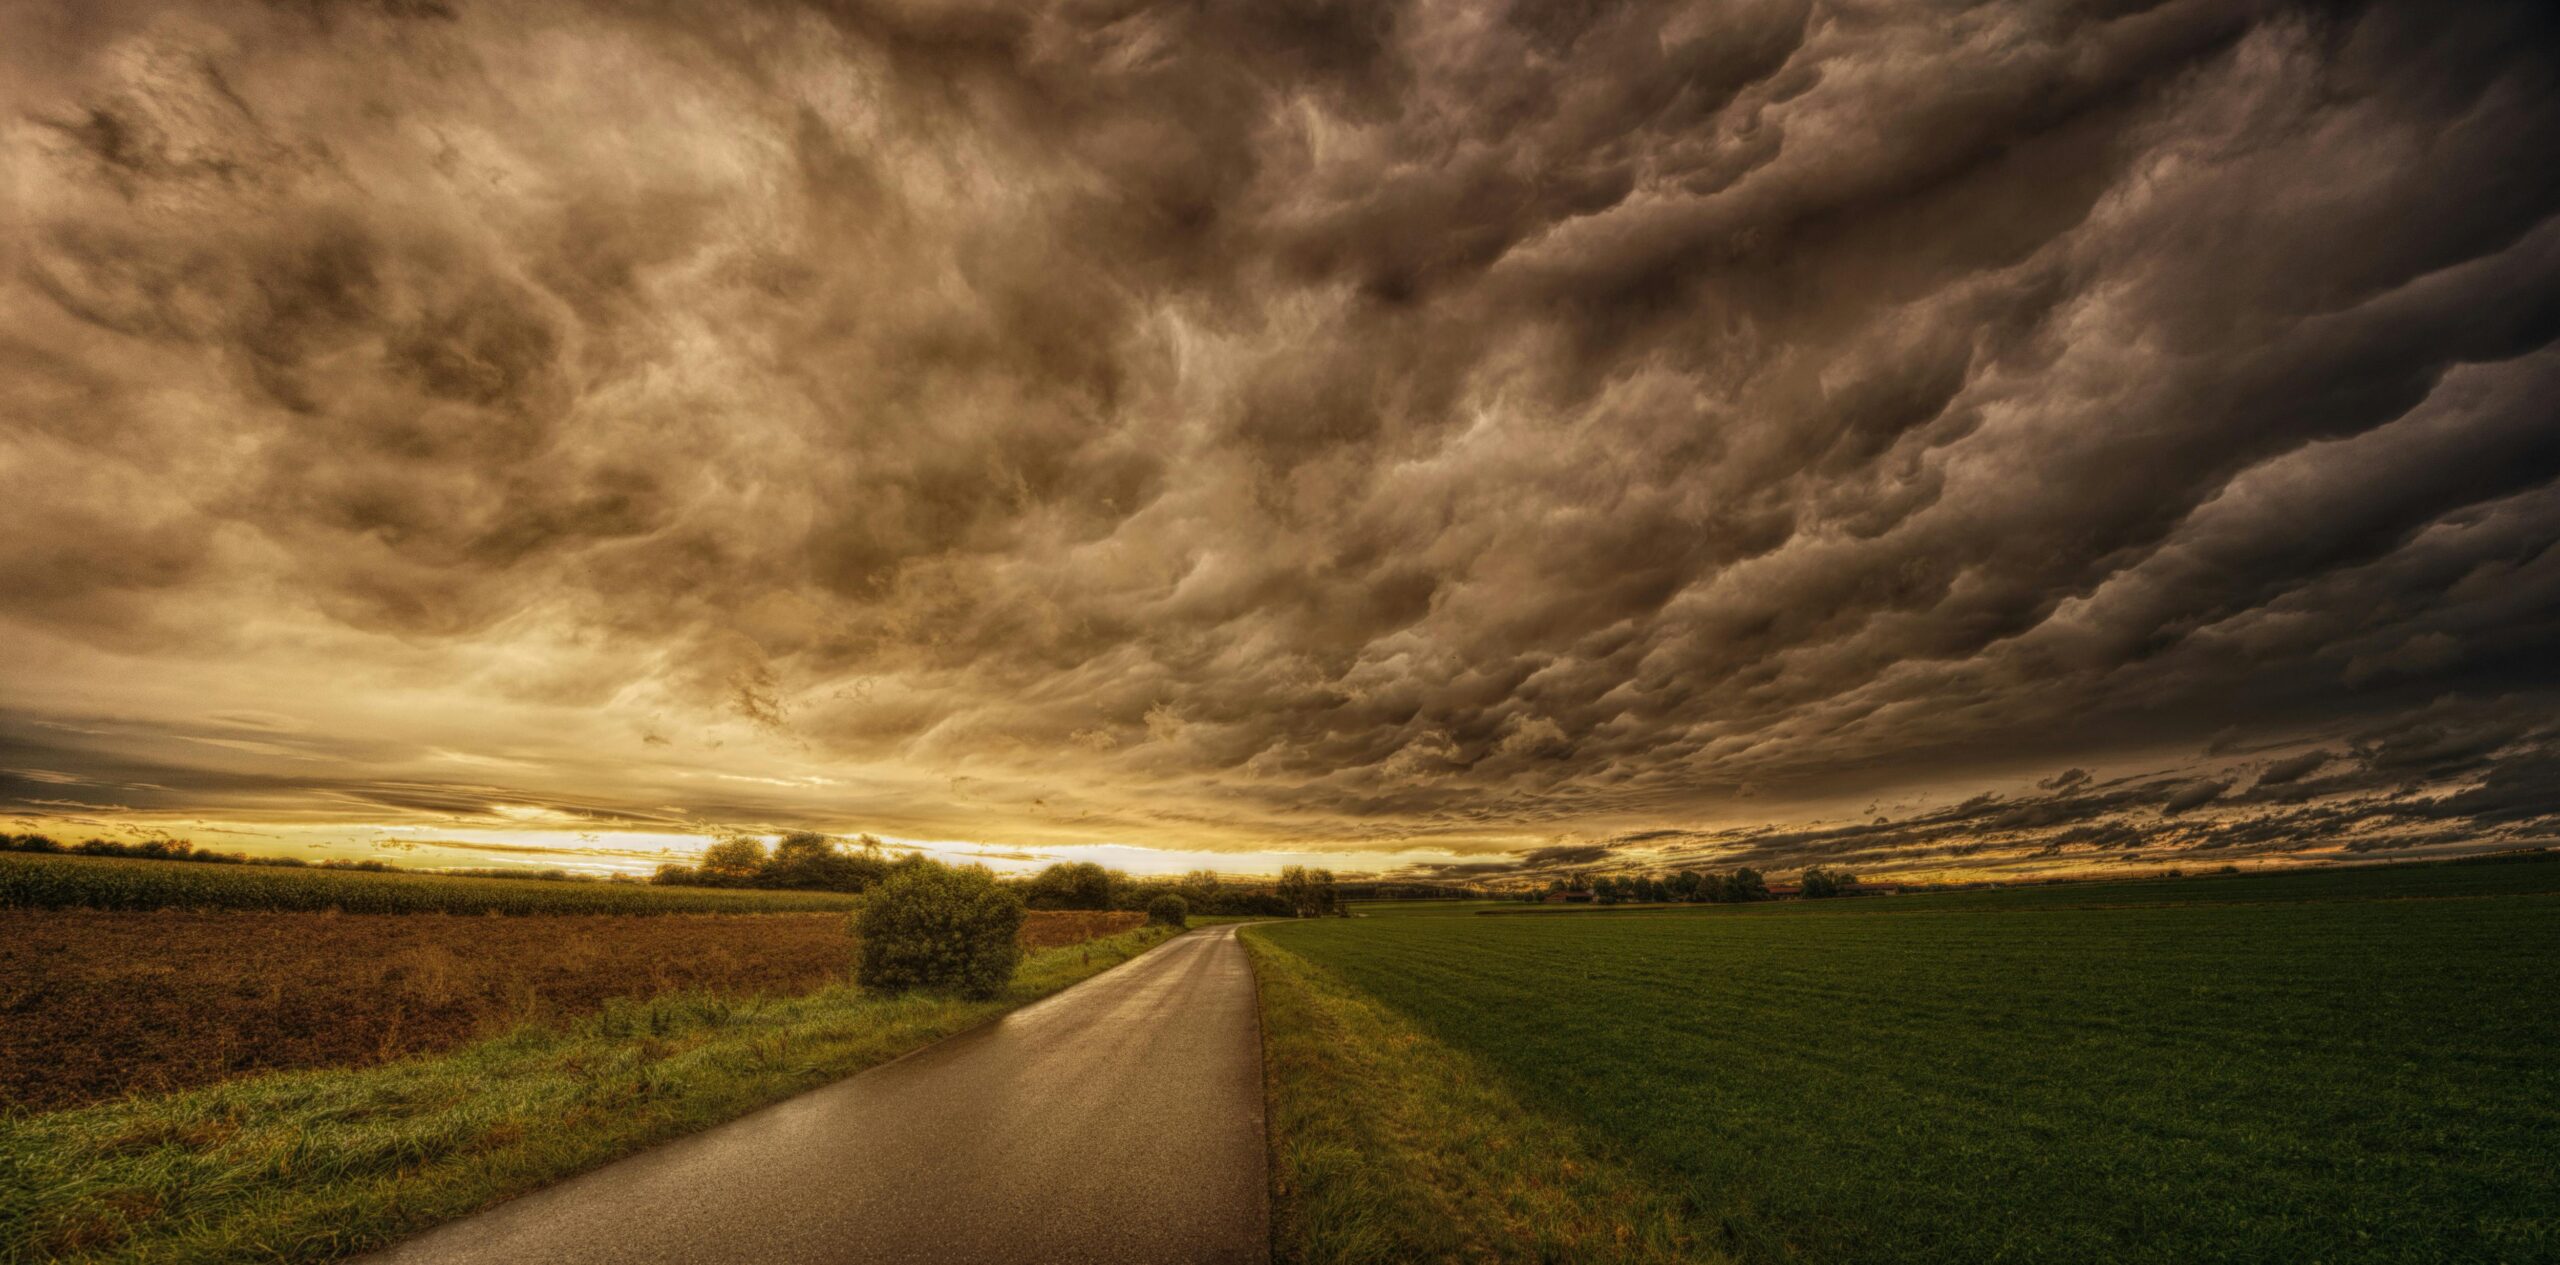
x=1360 y=426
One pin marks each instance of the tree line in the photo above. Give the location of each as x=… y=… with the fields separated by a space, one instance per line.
x=180 y=850
x=809 y=861
x=1300 y=893
x=1737 y=886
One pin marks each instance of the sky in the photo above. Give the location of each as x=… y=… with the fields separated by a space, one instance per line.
x=1443 y=439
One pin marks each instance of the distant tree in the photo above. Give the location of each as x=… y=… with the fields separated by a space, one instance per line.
x=1295 y=890
x=732 y=862
x=939 y=927
x=808 y=861
x=1252 y=903
x=1746 y=884
x=674 y=875
x=1169 y=910
x=1070 y=885
x=1822 y=883
x=1308 y=893
x=1124 y=892
x=1684 y=885
x=1607 y=890
x=1199 y=889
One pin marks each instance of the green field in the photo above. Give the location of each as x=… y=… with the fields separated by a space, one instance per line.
x=2315 y=1066
x=40 y=881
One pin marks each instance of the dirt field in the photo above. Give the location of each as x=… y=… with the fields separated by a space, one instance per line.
x=94 y=1005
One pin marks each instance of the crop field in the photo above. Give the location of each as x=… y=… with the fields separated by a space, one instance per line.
x=2340 y=1066
x=32 y=881
x=98 y=1005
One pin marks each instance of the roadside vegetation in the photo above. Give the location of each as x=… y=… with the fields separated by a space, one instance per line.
x=940 y=927
x=316 y=1165
x=2340 y=1065
x=104 y=1004
x=1388 y=1146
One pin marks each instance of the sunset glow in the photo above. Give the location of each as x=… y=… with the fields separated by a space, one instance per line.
x=563 y=434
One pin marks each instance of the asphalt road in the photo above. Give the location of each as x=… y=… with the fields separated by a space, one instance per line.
x=1120 y=1120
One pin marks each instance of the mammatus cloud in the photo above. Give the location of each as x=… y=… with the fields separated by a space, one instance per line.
x=1356 y=426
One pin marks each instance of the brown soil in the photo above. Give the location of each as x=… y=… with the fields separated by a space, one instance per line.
x=94 y=1005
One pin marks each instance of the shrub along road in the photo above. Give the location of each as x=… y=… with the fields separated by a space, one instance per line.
x=1120 y=1120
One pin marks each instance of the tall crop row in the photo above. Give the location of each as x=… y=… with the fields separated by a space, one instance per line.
x=71 y=882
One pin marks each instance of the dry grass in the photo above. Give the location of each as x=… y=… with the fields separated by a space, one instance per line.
x=94 y=1005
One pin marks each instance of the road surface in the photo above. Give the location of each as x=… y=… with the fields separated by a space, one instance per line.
x=1120 y=1120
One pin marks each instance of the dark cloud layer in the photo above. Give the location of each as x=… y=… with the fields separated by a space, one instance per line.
x=1478 y=426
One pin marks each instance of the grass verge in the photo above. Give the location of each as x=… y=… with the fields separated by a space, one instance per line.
x=309 y=1166
x=1389 y=1146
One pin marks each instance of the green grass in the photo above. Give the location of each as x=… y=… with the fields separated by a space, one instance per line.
x=1387 y=1146
x=40 y=881
x=311 y=1166
x=2338 y=1066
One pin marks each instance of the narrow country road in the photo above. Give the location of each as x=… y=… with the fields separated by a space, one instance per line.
x=1120 y=1120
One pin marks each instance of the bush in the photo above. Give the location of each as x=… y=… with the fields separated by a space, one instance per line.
x=1169 y=911
x=941 y=928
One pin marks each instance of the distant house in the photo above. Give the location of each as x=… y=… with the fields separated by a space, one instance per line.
x=1568 y=898
x=1785 y=891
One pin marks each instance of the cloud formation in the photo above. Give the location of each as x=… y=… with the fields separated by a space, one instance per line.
x=1316 y=424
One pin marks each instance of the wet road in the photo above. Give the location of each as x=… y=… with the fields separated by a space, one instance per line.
x=1120 y=1120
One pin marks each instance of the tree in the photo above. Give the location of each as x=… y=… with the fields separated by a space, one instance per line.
x=674 y=875
x=732 y=862
x=1169 y=910
x=1308 y=893
x=1294 y=889
x=1684 y=885
x=1746 y=884
x=1199 y=889
x=1070 y=885
x=809 y=861
x=939 y=927
x=1821 y=883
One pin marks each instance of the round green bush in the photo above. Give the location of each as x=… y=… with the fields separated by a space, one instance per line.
x=1169 y=910
x=940 y=928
